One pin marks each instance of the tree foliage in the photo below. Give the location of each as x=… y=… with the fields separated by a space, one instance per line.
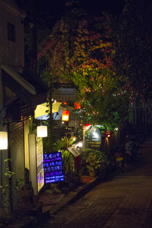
x=133 y=45
x=82 y=52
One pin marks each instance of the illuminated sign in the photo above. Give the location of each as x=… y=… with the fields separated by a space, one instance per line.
x=53 y=167
x=39 y=158
x=42 y=110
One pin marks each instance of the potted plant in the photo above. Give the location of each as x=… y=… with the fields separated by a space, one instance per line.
x=92 y=164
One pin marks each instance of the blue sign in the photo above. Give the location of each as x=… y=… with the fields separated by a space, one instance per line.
x=53 y=167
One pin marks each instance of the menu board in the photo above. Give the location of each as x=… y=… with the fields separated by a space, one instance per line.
x=53 y=167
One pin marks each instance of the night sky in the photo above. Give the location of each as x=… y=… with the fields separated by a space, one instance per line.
x=95 y=6
x=57 y=7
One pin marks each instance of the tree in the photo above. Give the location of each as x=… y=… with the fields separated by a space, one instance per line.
x=133 y=45
x=80 y=50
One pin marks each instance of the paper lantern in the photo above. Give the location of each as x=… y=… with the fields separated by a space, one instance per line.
x=3 y=140
x=65 y=115
x=77 y=105
x=42 y=131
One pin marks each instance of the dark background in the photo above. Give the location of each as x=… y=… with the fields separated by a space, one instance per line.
x=57 y=7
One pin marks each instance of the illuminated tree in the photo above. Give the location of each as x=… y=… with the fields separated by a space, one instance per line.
x=80 y=50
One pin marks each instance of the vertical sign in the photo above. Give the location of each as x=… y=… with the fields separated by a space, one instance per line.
x=53 y=167
x=40 y=171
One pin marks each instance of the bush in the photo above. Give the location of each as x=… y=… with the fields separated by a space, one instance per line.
x=93 y=162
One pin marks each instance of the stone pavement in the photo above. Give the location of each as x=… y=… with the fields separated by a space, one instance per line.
x=53 y=203
x=123 y=202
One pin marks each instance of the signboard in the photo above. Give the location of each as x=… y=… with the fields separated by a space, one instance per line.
x=42 y=110
x=74 y=151
x=53 y=167
x=39 y=158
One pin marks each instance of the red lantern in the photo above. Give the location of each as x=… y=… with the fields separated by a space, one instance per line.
x=77 y=105
x=86 y=125
x=65 y=115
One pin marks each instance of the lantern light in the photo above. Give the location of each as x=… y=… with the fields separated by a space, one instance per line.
x=65 y=115
x=42 y=131
x=116 y=129
x=77 y=105
x=3 y=140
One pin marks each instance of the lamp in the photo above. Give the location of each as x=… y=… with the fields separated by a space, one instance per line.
x=77 y=105
x=3 y=140
x=65 y=115
x=42 y=131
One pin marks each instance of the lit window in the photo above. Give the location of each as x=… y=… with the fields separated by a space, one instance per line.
x=11 y=33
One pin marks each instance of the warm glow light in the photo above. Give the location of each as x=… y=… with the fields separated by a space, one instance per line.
x=86 y=127
x=116 y=129
x=65 y=115
x=77 y=105
x=3 y=140
x=42 y=131
x=79 y=144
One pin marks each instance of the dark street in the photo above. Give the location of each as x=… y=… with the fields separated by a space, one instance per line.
x=124 y=202
x=75 y=114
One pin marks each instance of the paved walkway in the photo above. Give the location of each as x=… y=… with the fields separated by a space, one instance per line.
x=124 y=202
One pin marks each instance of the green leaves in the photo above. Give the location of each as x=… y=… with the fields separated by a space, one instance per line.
x=80 y=50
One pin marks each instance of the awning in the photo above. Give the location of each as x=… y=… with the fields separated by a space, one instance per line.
x=42 y=110
x=65 y=94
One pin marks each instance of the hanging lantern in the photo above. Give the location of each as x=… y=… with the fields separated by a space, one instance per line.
x=3 y=140
x=42 y=131
x=77 y=105
x=65 y=115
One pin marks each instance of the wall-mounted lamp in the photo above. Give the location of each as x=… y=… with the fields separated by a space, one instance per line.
x=3 y=140
x=42 y=131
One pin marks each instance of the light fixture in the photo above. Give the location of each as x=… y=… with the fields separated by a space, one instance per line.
x=116 y=129
x=42 y=131
x=65 y=115
x=3 y=140
x=77 y=105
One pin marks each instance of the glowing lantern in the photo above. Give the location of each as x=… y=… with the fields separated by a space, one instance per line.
x=42 y=131
x=108 y=134
x=87 y=125
x=3 y=140
x=65 y=115
x=77 y=105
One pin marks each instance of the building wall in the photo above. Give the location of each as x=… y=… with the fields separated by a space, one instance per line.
x=16 y=154
x=11 y=52
x=16 y=144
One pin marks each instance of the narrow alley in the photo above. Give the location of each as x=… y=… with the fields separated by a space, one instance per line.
x=124 y=202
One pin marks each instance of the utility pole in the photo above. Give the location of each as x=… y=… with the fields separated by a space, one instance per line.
x=50 y=99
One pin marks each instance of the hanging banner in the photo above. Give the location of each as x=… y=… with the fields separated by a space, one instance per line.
x=53 y=167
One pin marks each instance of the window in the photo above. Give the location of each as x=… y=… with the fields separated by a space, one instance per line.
x=11 y=33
